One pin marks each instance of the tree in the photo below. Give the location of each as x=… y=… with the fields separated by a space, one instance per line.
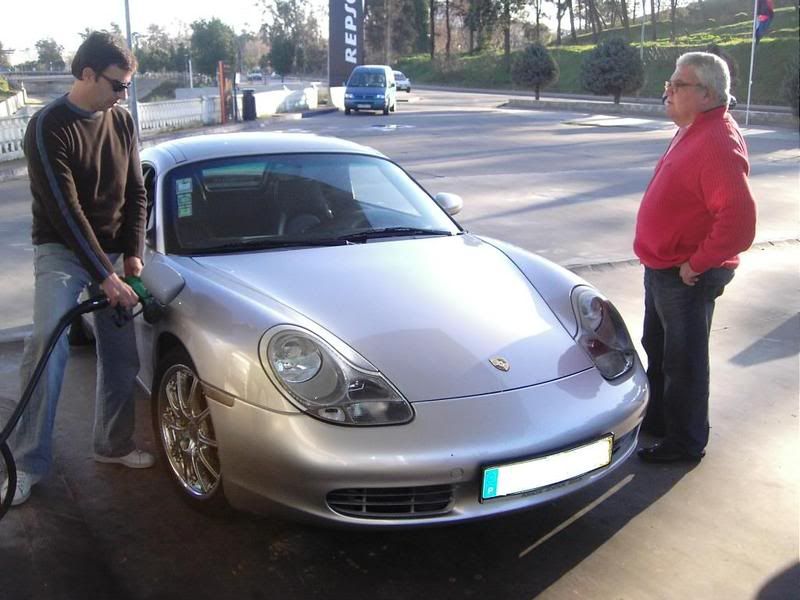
x=534 y=67
x=613 y=67
x=50 y=54
x=395 y=28
x=481 y=20
x=420 y=26
x=4 y=60
x=252 y=51
x=673 y=9
x=113 y=30
x=624 y=14
x=653 y=18
x=432 y=13
x=212 y=41
x=293 y=23
x=509 y=9
x=791 y=87
x=156 y=51
x=282 y=55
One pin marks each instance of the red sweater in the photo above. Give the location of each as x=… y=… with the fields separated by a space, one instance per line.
x=698 y=206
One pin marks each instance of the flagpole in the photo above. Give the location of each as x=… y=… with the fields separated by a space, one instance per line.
x=752 y=60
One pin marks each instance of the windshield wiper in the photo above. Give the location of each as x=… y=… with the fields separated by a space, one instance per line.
x=266 y=245
x=362 y=236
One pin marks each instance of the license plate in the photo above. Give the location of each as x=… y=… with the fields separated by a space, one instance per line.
x=365 y=106
x=530 y=475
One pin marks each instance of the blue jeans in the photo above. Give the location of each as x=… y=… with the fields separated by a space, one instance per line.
x=677 y=325
x=59 y=280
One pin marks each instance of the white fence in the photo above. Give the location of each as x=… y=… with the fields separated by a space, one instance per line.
x=173 y=114
x=12 y=132
x=11 y=105
x=178 y=114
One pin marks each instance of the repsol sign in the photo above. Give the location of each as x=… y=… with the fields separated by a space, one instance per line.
x=345 y=40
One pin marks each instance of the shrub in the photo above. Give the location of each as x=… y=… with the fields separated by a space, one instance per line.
x=4 y=85
x=534 y=67
x=614 y=68
x=791 y=88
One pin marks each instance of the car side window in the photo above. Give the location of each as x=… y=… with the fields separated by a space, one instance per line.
x=149 y=174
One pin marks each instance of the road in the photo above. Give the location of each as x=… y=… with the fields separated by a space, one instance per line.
x=567 y=186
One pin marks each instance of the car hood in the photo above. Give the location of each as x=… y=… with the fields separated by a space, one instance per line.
x=429 y=313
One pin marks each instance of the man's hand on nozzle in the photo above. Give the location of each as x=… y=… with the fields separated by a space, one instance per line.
x=118 y=292
x=133 y=266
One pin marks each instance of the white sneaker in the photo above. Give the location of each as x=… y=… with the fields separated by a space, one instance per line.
x=135 y=459
x=23 y=491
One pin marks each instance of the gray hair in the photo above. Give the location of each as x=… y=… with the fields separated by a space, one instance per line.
x=712 y=72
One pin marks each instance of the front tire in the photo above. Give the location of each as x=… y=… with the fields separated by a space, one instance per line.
x=185 y=433
x=347 y=111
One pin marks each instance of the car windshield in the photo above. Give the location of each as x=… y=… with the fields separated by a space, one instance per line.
x=367 y=79
x=289 y=200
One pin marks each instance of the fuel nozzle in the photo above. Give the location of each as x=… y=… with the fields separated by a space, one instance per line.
x=152 y=309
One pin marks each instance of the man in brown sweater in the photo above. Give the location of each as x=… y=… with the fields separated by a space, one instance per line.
x=89 y=209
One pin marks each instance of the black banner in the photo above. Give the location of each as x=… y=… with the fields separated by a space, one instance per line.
x=346 y=39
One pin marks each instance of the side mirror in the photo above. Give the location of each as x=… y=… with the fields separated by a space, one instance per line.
x=162 y=281
x=451 y=203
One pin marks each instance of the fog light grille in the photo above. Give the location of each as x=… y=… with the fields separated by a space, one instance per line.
x=393 y=503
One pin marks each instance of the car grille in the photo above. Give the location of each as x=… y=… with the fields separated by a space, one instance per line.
x=393 y=503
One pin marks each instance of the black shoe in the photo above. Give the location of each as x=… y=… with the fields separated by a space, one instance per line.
x=667 y=453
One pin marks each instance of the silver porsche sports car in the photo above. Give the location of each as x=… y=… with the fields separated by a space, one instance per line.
x=340 y=349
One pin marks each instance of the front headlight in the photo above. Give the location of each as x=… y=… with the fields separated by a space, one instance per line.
x=321 y=381
x=348 y=95
x=602 y=333
x=379 y=96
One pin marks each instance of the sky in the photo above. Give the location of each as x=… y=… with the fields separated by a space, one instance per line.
x=24 y=22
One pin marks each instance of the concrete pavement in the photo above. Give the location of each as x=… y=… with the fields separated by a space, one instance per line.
x=726 y=528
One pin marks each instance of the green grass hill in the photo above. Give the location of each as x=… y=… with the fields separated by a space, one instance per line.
x=727 y=23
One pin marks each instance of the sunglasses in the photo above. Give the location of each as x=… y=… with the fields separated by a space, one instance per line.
x=676 y=85
x=117 y=85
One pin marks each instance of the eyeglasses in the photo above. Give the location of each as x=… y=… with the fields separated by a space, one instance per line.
x=676 y=85
x=117 y=85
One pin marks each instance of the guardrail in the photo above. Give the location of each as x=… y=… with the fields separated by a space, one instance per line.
x=12 y=132
x=12 y=104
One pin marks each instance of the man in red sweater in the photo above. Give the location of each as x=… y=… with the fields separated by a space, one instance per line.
x=696 y=216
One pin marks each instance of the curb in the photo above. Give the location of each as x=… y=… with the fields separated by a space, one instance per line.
x=306 y=114
x=776 y=118
x=579 y=268
x=13 y=172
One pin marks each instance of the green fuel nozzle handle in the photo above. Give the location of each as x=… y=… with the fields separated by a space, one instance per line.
x=137 y=286
x=152 y=309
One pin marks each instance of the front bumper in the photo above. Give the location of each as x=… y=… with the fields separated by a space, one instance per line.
x=293 y=463
x=365 y=103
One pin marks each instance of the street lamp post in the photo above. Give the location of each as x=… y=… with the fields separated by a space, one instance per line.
x=132 y=97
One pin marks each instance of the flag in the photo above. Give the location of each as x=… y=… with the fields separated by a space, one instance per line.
x=764 y=12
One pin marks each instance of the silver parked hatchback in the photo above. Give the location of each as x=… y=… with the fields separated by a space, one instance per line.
x=342 y=350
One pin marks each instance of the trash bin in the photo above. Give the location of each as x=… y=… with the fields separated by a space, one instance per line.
x=248 y=105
